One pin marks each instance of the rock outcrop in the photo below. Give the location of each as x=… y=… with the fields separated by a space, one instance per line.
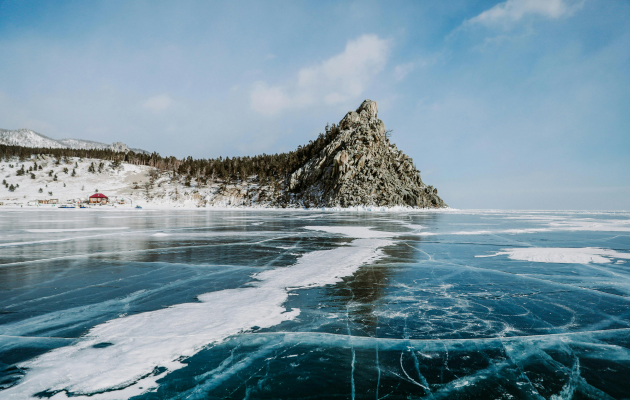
x=361 y=167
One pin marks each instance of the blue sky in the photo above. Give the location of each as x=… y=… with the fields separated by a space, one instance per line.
x=521 y=104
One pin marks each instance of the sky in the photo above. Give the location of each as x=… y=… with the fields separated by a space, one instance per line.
x=517 y=104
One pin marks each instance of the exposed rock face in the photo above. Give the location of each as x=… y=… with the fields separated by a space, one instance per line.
x=354 y=165
x=361 y=167
x=119 y=147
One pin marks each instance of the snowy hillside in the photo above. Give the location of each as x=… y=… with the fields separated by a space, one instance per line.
x=28 y=138
x=71 y=180
x=46 y=179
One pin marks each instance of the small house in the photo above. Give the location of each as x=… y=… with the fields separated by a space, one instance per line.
x=98 y=198
x=48 y=201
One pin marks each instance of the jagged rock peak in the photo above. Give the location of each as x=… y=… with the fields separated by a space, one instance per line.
x=361 y=167
x=366 y=114
x=119 y=147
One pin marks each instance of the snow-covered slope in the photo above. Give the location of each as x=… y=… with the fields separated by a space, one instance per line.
x=71 y=179
x=28 y=138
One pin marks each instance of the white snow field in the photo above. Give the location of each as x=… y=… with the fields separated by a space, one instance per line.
x=115 y=183
x=128 y=182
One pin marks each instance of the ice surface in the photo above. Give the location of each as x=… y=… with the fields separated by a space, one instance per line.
x=314 y=304
x=140 y=343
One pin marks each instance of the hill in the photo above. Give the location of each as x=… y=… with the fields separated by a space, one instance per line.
x=28 y=138
x=352 y=164
x=361 y=167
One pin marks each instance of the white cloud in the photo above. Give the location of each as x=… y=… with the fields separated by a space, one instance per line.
x=340 y=78
x=157 y=103
x=401 y=71
x=514 y=10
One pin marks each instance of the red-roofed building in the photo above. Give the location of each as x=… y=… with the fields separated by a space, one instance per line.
x=98 y=198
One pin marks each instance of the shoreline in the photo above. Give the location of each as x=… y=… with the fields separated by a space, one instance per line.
x=362 y=209
x=106 y=208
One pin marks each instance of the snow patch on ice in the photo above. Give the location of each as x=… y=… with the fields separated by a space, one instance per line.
x=415 y=227
x=75 y=229
x=360 y=232
x=561 y=255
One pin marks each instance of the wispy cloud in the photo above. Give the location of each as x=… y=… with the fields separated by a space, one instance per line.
x=401 y=71
x=340 y=78
x=157 y=103
x=510 y=11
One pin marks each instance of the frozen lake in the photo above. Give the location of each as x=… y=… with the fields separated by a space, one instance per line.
x=176 y=304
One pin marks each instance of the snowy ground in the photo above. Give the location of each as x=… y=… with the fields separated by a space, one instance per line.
x=131 y=183
x=115 y=183
x=128 y=182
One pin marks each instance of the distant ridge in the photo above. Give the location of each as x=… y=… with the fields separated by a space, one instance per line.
x=29 y=138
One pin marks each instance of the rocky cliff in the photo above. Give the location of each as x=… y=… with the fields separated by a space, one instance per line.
x=361 y=167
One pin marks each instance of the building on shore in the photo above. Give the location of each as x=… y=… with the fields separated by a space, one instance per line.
x=48 y=201
x=98 y=198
